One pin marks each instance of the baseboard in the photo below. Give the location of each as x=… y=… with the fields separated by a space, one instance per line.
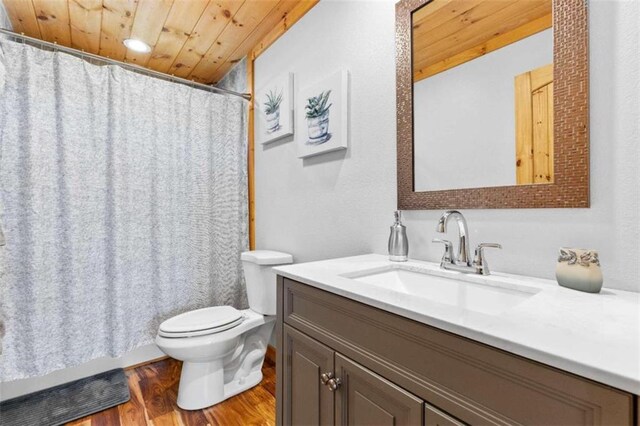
x=140 y=356
x=271 y=354
x=143 y=363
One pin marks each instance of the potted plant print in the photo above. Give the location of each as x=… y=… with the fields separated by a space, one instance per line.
x=272 y=111
x=318 y=118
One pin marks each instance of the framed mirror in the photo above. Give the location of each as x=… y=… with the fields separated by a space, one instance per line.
x=493 y=106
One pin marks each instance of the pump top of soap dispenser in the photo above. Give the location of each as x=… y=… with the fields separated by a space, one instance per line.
x=398 y=217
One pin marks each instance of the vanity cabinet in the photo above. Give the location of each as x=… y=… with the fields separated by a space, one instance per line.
x=387 y=369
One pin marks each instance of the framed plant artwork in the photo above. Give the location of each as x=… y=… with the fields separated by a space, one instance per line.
x=323 y=116
x=274 y=107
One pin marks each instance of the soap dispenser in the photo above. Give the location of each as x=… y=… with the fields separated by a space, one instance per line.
x=398 y=243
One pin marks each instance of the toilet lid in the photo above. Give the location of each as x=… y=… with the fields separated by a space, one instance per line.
x=201 y=321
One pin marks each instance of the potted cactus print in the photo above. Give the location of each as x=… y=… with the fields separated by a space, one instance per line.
x=272 y=111
x=317 y=113
x=323 y=115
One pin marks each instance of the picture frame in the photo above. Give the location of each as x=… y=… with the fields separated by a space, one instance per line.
x=275 y=110
x=323 y=116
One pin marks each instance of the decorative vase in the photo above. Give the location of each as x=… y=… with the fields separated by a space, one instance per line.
x=273 y=121
x=318 y=128
x=579 y=269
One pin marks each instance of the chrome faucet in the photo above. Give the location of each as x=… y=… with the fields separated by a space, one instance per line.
x=463 y=247
x=462 y=262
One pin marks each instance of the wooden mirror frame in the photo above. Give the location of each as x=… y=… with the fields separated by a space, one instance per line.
x=571 y=123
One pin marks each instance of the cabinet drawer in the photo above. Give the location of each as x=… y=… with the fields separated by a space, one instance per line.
x=474 y=382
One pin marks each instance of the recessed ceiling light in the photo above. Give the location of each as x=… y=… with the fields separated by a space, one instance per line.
x=137 y=45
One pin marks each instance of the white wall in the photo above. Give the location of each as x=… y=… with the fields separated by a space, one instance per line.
x=464 y=118
x=4 y=18
x=341 y=203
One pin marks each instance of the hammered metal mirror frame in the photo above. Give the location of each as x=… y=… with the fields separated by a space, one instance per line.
x=571 y=124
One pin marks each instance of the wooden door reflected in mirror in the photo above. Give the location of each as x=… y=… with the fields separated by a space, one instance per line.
x=534 y=126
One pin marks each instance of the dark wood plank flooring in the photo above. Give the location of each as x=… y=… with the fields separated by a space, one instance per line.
x=154 y=390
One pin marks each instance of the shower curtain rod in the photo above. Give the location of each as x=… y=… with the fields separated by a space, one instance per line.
x=137 y=68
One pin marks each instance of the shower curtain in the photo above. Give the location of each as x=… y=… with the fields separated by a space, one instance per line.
x=123 y=201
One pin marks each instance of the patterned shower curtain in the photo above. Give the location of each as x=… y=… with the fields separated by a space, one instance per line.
x=123 y=201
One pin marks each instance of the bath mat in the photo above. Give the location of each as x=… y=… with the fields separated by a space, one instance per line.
x=66 y=402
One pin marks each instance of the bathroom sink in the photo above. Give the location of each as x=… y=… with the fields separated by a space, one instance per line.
x=487 y=295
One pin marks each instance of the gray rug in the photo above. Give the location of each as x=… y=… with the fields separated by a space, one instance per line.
x=66 y=402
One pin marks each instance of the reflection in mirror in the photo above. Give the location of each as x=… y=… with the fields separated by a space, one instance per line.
x=483 y=93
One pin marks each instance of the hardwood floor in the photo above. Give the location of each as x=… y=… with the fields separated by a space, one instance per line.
x=154 y=389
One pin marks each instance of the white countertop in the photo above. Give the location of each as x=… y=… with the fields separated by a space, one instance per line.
x=596 y=336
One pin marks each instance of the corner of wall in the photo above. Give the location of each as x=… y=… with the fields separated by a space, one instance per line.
x=4 y=18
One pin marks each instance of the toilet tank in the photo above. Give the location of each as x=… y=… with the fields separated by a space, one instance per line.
x=261 y=279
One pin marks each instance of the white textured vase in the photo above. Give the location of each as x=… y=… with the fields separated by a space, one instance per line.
x=318 y=128
x=273 y=121
x=579 y=269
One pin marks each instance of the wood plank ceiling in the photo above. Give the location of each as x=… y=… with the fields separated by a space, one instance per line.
x=195 y=39
x=447 y=33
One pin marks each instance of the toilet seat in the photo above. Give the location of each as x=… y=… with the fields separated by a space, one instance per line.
x=201 y=322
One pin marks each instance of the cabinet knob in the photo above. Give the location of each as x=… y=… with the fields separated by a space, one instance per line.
x=325 y=377
x=334 y=384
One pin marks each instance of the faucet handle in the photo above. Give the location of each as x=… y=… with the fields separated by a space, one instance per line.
x=489 y=245
x=447 y=257
x=479 y=261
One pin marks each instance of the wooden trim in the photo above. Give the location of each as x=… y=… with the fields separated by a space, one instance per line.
x=251 y=158
x=143 y=363
x=524 y=129
x=570 y=188
x=282 y=27
x=23 y=17
x=271 y=354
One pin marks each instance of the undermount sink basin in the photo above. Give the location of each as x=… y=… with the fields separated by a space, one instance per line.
x=491 y=297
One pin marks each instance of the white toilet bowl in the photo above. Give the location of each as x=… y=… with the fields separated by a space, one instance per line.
x=223 y=348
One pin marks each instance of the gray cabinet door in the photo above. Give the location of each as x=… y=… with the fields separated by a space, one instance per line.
x=307 y=402
x=435 y=417
x=367 y=399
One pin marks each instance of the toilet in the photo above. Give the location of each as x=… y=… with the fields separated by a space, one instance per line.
x=223 y=348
